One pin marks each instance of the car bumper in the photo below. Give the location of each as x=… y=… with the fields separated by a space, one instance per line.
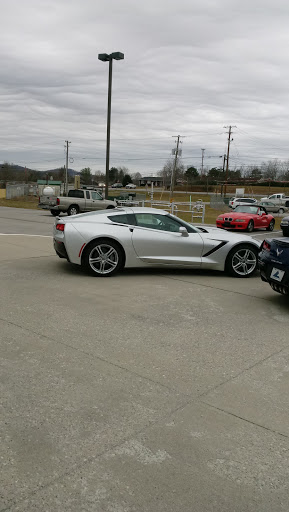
x=47 y=206
x=266 y=271
x=232 y=225
x=60 y=249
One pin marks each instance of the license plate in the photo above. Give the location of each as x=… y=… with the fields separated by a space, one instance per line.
x=227 y=224
x=277 y=274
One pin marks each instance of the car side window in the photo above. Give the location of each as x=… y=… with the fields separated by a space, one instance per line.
x=156 y=221
x=76 y=193
x=95 y=196
x=87 y=195
x=123 y=218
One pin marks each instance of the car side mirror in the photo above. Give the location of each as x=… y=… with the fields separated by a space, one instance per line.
x=183 y=231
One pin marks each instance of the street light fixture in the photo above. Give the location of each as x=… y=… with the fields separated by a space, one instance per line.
x=105 y=57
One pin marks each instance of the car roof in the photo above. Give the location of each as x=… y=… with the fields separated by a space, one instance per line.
x=115 y=211
x=245 y=198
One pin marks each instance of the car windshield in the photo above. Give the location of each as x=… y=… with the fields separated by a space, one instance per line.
x=246 y=209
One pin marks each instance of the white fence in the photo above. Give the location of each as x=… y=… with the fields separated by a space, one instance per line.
x=195 y=211
x=20 y=190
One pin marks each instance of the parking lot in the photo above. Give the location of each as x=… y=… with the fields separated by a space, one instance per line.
x=150 y=391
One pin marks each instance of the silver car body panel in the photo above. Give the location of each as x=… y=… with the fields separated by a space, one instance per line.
x=149 y=247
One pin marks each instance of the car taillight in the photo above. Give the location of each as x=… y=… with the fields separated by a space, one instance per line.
x=58 y=201
x=265 y=246
x=60 y=227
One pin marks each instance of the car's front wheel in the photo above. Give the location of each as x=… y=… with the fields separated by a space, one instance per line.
x=281 y=210
x=242 y=261
x=285 y=232
x=103 y=258
x=55 y=212
x=271 y=226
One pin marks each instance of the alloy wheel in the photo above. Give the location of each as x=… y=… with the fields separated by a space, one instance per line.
x=103 y=259
x=244 y=261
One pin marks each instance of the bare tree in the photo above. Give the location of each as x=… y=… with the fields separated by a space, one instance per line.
x=166 y=172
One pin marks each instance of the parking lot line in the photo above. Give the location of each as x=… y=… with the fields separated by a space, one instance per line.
x=23 y=234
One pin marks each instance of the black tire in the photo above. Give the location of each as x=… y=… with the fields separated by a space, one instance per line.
x=250 y=226
x=73 y=209
x=110 y=207
x=242 y=260
x=54 y=213
x=281 y=210
x=271 y=226
x=285 y=232
x=98 y=251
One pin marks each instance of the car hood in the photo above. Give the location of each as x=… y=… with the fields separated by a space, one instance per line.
x=226 y=236
x=236 y=215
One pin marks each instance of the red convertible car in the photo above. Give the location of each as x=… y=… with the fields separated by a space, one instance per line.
x=246 y=218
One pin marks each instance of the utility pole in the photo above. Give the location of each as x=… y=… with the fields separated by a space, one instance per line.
x=66 y=167
x=174 y=167
x=202 y=172
x=228 y=152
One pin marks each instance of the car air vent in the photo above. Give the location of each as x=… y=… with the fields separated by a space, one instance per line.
x=229 y=218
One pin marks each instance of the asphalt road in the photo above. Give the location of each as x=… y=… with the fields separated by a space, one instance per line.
x=148 y=391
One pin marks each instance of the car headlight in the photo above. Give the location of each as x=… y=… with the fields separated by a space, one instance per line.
x=240 y=220
x=220 y=218
x=284 y=222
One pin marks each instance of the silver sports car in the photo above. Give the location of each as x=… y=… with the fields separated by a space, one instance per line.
x=106 y=241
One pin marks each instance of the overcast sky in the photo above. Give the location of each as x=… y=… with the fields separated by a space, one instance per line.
x=191 y=67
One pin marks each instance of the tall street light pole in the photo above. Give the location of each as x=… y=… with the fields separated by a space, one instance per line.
x=66 y=167
x=109 y=58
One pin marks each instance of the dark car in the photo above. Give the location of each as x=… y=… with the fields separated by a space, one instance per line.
x=285 y=226
x=274 y=264
x=117 y=185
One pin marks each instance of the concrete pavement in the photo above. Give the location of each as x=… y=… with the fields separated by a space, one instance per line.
x=148 y=391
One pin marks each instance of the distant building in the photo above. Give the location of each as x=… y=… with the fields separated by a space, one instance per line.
x=148 y=180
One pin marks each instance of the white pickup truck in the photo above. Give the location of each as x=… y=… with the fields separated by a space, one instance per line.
x=80 y=201
x=278 y=199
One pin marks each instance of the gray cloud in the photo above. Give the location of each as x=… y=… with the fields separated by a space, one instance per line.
x=189 y=68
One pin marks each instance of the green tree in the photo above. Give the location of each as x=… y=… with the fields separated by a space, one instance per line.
x=86 y=176
x=113 y=175
x=126 y=179
x=216 y=174
x=121 y=175
x=7 y=172
x=191 y=174
x=254 y=173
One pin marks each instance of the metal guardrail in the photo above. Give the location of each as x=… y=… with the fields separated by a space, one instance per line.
x=196 y=209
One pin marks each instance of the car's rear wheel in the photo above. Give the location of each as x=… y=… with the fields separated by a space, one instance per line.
x=73 y=210
x=250 y=226
x=54 y=212
x=285 y=232
x=103 y=258
x=271 y=226
x=281 y=210
x=242 y=261
x=110 y=207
